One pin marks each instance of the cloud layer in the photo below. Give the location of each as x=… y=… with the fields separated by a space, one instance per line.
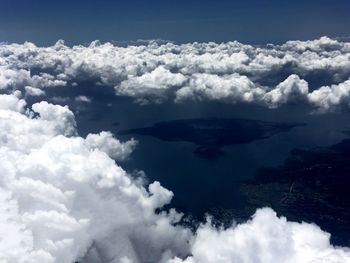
x=265 y=238
x=315 y=72
x=64 y=198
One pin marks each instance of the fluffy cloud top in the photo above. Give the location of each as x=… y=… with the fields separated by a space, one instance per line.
x=265 y=238
x=329 y=96
x=292 y=88
x=151 y=83
x=231 y=87
x=111 y=146
x=155 y=72
x=64 y=198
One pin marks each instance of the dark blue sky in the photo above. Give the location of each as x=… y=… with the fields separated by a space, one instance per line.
x=251 y=21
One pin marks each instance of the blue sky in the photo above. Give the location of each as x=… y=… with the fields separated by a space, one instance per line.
x=250 y=21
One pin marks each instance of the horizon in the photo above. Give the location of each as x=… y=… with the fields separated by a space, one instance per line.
x=184 y=21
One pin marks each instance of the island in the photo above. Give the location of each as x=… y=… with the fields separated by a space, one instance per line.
x=210 y=134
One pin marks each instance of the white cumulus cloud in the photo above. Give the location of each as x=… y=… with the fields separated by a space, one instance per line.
x=292 y=88
x=265 y=238
x=159 y=71
x=327 y=97
x=105 y=142
x=63 y=198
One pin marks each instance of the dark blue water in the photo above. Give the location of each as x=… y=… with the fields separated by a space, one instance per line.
x=201 y=185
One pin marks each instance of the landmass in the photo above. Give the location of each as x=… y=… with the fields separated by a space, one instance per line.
x=312 y=186
x=210 y=134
